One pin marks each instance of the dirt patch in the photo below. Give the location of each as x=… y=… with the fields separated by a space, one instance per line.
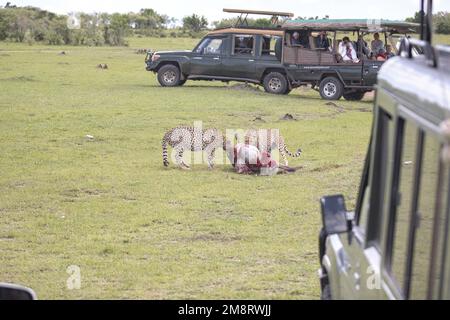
x=77 y=193
x=215 y=236
x=327 y=167
x=288 y=117
x=20 y=78
x=369 y=95
x=244 y=87
x=259 y=119
x=7 y=237
x=129 y=198
x=18 y=184
x=364 y=109
x=338 y=108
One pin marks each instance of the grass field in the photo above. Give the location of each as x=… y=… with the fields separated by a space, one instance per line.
x=135 y=228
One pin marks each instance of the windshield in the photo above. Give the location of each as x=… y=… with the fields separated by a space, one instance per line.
x=209 y=46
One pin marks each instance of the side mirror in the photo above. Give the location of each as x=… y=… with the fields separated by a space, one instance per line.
x=334 y=214
x=16 y=292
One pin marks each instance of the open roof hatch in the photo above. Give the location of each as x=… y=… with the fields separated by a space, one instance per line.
x=243 y=15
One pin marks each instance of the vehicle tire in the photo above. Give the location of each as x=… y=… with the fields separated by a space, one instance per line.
x=169 y=76
x=326 y=293
x=331 y=88
x=275 y=83
x=354 y=96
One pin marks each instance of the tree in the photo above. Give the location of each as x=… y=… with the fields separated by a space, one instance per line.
x=118 y=29
x=259 y=23
x=442 y=22
x=195 y=23
x=415 y=19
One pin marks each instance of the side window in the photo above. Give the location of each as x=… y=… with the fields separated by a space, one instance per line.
x=423 y=242
x=379 y=177
x=268 y=45
x=244 y=45
x=298 y=38
x=404 y=202
x=418 y=215
x=210 y=46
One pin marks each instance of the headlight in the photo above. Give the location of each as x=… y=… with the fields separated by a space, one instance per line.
x=155 y=57
x=148 y=56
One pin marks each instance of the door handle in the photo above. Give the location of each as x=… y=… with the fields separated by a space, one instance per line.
x=251 y=60
x=197 y=58
x=216 y=58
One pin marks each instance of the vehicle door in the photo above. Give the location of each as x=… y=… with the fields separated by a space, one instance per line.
x=415 y=259
x=207 y=56
x=239 y=62
x=357 y=253
x=268 y=53
x=370 y=70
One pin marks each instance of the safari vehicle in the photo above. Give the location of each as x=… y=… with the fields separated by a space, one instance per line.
x=266 y=56
x=396 y=244
x=237 y=53
x=324 y=68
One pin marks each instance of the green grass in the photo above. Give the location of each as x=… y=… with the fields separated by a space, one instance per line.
x=135 y=228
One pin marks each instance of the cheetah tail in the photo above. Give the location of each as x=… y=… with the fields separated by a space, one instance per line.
x=294 y=155
x=164 y=153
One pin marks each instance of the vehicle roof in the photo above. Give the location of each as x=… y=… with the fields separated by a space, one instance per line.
x=254 y=31
x=400 y=76
x=369 y=25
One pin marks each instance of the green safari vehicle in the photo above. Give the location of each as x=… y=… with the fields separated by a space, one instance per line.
x=396 y=244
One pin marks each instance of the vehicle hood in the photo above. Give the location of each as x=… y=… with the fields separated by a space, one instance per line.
x=173 y=53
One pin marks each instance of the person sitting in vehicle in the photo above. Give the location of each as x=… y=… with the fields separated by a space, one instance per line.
x=384 y=55
x=322 y=41
x=347 y=51
x=377 y=45
x=295 y=39
x=389 y=53
x=361 y=46
x=243 y=45
x=300 y=41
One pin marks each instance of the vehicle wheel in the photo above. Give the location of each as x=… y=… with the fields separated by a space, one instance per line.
x=331 y=88
x=354 y=96
x=169 y=76
x=275 y=83
x=326 y=292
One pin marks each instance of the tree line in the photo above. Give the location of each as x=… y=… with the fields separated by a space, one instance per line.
x=31 y=24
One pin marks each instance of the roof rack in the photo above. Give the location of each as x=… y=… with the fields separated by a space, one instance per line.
x=243 y=15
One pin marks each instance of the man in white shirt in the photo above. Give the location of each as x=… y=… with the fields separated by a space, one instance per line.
x=347 y=51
